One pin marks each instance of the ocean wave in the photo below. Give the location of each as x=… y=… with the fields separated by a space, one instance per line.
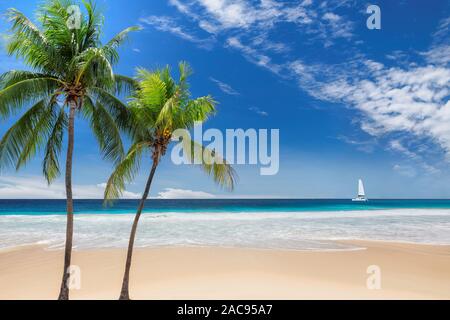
x=315 y=230
x=246 y=215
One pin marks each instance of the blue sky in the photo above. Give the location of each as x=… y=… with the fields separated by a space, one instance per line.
x=349 y=102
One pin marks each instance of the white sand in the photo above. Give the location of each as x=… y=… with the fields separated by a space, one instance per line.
x=407 y=272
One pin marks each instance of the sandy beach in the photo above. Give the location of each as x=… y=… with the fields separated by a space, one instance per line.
x=408 y=271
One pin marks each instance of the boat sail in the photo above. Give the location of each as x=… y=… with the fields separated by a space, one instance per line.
x=361 y=192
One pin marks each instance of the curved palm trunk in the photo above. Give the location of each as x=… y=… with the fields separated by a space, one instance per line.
x=124 y=294
x=64 y=291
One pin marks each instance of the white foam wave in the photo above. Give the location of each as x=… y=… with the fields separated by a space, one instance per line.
x=265 y=230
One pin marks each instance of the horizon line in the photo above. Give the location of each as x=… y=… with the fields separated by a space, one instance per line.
x=209 y=199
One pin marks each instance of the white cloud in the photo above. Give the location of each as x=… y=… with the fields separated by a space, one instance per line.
x=253 y=55
x=412 y=100
x=230 y=14
x=171 y=193
x=259 y=111
x=223 y=15
x=224 y=87
x=438 y=55
x=409 y=99
x=330 y=16
x=181 y=7
x=168 y=24
x=336 y=27
x=252 y=27
x=264 y=43
x=406 y=171
x=397 y=100
x=255 y=19
x=397 y=146
x=367 y=146
x=35 y=187
x=442 y=33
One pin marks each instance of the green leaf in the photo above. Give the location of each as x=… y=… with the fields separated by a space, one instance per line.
x=125 y=85
x=211 y=163
x=53 y=148
x=106 y=131
x=111 y=47
x=125 y=171
x=159 y=106
x=21 y=133
x=15 y=96
x=117 y=109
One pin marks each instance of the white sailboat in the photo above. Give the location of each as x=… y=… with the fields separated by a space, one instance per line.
x=361 y=193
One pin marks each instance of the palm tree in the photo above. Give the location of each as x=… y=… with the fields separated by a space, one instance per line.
x=159 y=107
x=71 y=73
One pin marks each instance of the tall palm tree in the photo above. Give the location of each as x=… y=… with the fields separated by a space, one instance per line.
x=159 y=107
x=71 y=73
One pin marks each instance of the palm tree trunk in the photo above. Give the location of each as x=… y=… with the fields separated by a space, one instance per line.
x=124 y=294
x=64 y=291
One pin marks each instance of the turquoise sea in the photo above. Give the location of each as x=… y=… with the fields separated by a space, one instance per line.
x=255 y=223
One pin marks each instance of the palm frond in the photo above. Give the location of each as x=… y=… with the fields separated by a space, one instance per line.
x=15 y=96
x=91 y=26
x=31 y=44
x=167 y=114
x=159 y=106
x=118 y=109
x=67 y=63
x=12 y=77
x=111 y=47
x=106 y=131
x=18 y=136
x=211 y=163
x=198 y=110
x=38 y=134
x=50 y=165
x=54 y=17
x=20 y=24
x=152 y=90
x=38 y=57
x=94 y=68
x=185 y=72
x=125 y=85
x=169 y=82
x=125 y=171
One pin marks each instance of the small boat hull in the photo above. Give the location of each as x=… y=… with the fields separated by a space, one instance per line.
x=361 y=193
x=360 y=200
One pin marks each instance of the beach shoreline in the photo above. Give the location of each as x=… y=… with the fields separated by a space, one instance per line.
x=407 y=271
x=310 y=230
